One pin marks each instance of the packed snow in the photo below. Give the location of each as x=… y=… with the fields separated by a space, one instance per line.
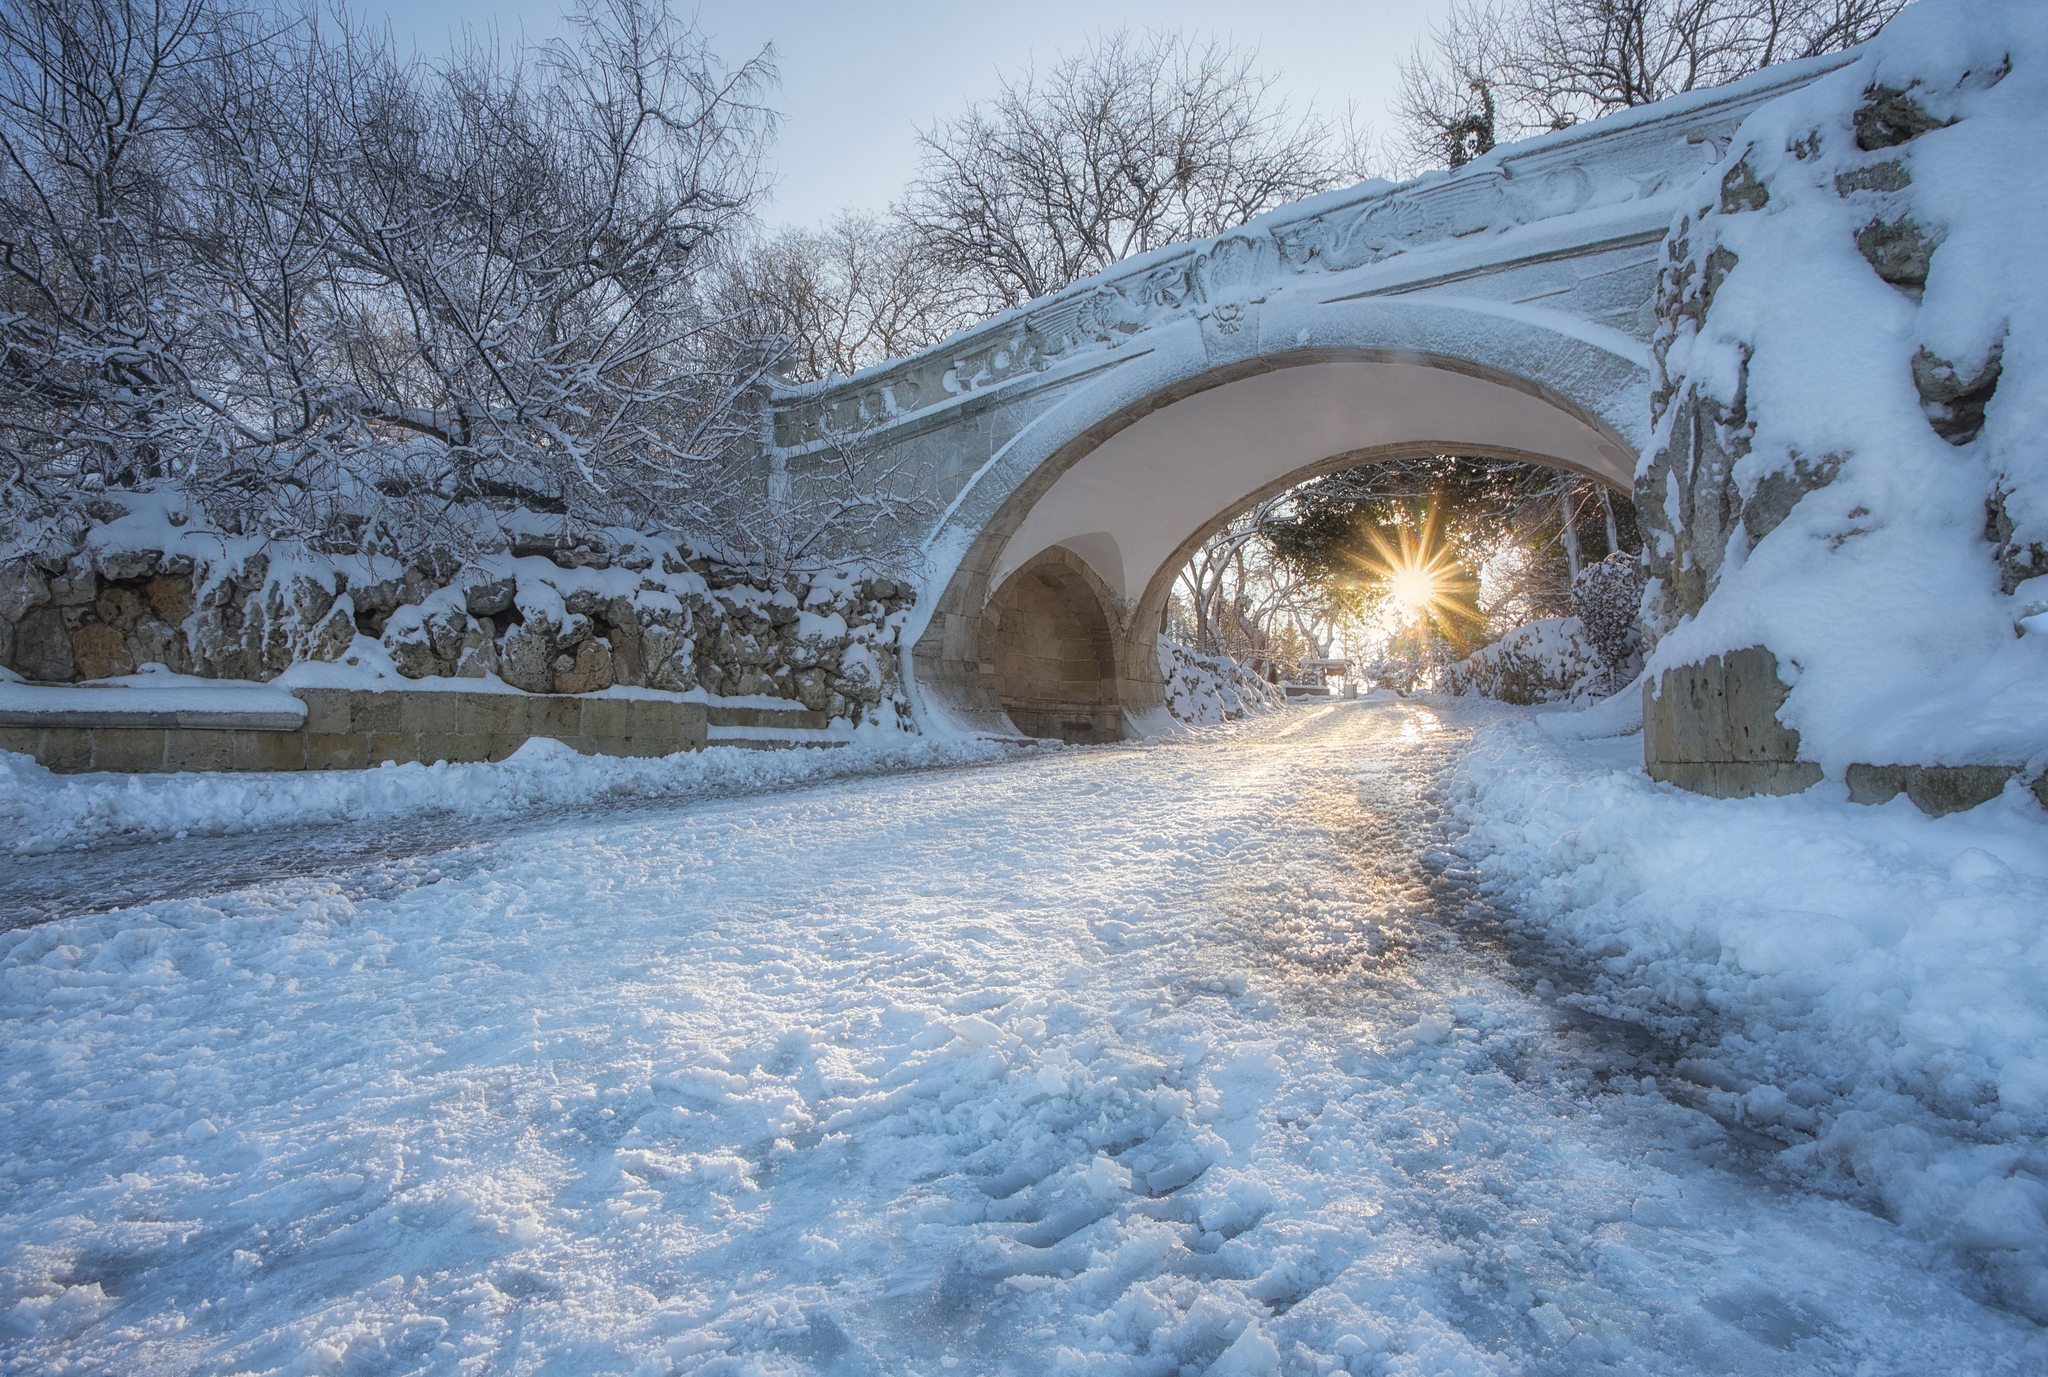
x=1866 y=985
x=1202 y=1056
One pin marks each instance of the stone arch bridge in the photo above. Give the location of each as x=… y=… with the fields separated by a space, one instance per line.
x=1072 y=454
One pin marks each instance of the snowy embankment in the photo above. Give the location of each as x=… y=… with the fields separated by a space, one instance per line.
x=42 y=812
x=1847 y=463
x=1869 y=985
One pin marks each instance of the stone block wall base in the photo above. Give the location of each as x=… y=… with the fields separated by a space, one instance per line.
x=1712 y=728
x=1077 y=724
x=1937 y=790
x=353 y=729
x=1737 y=778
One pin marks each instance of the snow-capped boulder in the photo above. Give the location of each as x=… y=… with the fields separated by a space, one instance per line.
x=1849 y=461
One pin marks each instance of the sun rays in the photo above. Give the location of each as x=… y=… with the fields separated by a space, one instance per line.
x=1425 y=583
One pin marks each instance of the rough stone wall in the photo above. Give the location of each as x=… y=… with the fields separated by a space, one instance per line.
x=96 y=615
x=544 y=613
x=1698 y=501
x=354 y=729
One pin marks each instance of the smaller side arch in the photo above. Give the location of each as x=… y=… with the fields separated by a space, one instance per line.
x=1053 y=636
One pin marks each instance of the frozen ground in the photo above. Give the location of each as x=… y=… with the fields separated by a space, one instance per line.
x=1161 y=1060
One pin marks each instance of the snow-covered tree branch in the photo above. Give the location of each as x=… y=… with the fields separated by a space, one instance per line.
x=323 y=287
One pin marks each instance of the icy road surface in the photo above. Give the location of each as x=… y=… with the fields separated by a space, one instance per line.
x=1161 y=1060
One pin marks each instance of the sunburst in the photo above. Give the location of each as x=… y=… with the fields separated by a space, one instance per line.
x=1413 y=586
x=1422 y=576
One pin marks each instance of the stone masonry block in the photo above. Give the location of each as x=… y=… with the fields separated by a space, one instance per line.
x=429 y=712
x=130 y=750
x=455 y=748
x=374 y=712
x=337 y=750
x=1937 y=790
x=1700 y=723
x=606 y=717
x=1753 y=695
x=1875 y=784
x=398 y=747
x=26 y=740
x=493 y=714
x=65 y=749
x=650 y=717
x=269 y=750
x=326 y=709
x=1751 y=778
x=198 y=748
x=1722 y=715
x=499 y=747
x=1660 y=715
x=559 y=717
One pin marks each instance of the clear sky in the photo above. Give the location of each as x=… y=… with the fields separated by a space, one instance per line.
x=858 y=80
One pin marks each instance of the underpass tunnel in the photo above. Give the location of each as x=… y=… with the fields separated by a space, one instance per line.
x=1050 y=622
x=1055 y=651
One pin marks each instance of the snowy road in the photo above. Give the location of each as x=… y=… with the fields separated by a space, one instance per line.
x=1161 y=1060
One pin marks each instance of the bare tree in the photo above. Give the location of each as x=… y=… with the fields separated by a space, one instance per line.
x=1505 y=69
x=843 y=297
x=1447 y=102
x=1236 y=597
x=1131 y=145
x=314 y=283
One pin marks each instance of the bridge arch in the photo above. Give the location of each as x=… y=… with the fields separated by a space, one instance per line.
x=1055 y=639
x=1109 y=491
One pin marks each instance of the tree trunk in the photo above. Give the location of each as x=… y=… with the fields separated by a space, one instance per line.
x=1571 y=532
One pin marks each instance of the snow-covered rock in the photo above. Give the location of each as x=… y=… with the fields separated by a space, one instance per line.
x=544 y=613
x=1849 y=463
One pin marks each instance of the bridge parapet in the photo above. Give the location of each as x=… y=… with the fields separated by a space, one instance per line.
x=1617 y=178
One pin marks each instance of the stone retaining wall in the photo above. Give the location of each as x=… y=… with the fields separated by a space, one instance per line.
x=353 y=729
x=1713 y=728
x=543 y=611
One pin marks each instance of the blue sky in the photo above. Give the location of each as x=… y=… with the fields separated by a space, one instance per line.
x=858 y=80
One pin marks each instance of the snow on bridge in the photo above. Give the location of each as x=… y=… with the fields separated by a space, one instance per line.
x=1078 y=450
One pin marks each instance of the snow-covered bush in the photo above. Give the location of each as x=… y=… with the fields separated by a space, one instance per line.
x=1202 y=690
x=1849 y=462
x=1548 y=661
x=1608 y=597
